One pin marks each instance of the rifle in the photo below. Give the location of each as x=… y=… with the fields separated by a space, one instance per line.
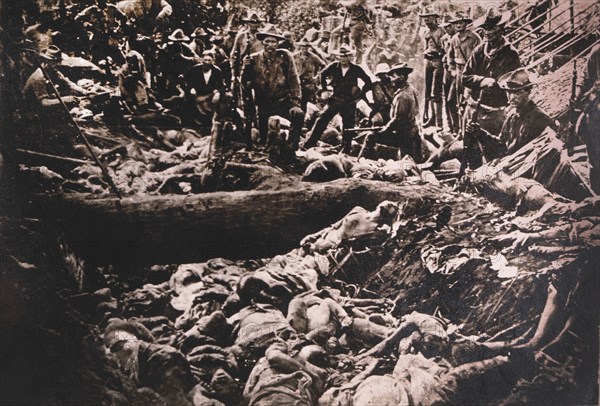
x=103 y=169
x=249 y=106
x=361 y=129
x=365 y=146
x=471 y=155
x=344 y=39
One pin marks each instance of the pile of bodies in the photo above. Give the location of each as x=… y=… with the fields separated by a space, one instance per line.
x=305 y=328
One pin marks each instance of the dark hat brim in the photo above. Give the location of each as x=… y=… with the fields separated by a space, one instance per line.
x=458 y=20
x=404 y=69
x=486 y=22
x=505 y=82
x=262 y=35
x=511 y=88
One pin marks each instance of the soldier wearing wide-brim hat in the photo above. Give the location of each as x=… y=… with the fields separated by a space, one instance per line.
x=40 y=97
x=178 y=36
x=272 y=75
x=245 y=43
x=517 y=80
x=344 y=79
x=492 y=19
x=308 y=64
x=449 y=81
x=429 y=13
x=487 y=63
x=270 y=31
x=400 y=69
x=525 y=120
x=252 y=17
x=401 y=130
x=459 y=18
x=462 y=44
x=199 y=32
x=434 y=68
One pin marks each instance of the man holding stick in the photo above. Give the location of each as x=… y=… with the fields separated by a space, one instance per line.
x=402 y=131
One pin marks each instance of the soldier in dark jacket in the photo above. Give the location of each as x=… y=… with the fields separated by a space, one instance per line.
x=434 y=68
x=344 y=80
x=524 y=122
x=272 y=74
x=490 y=60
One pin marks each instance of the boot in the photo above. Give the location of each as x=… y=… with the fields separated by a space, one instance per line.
x=346 y=143
x=438 y=108
x=431 y=119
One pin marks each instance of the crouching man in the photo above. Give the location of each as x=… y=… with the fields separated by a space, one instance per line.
x=402 y=130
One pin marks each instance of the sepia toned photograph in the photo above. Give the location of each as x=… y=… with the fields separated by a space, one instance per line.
x=299 y=202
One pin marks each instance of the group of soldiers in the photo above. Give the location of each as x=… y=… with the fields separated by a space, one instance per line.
x=249 y=75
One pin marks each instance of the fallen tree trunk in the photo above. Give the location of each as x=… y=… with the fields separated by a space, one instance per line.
x=234 y=225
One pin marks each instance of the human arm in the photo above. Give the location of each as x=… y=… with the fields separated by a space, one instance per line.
x=368 y=83
x=282 y=362
x=325 y=73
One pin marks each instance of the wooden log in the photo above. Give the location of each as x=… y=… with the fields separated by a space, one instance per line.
x=235 y=225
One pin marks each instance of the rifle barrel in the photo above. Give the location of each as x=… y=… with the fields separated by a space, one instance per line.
x=103 y=169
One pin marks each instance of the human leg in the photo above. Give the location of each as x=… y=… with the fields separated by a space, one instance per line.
x=320 y=125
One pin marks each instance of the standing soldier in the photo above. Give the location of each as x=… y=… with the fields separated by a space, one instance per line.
x=308 y=65
x=434 y=69
x=489 y=60
x=344 y=80
x=199 y=42
x=462 y=45
x=449 y=79
x=245 y=43
x=271 y=74
x=358 y=18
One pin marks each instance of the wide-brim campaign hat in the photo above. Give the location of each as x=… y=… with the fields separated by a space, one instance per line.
x=460 y=18
x=252 y=17
x=178 y=35
x=303 y=43
x=270 y=31
x=344 y=50
x=382 y=68
x=199 y=32
x=400 y=68
x=518 y=79
x=428 y=13
x=493 y=18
